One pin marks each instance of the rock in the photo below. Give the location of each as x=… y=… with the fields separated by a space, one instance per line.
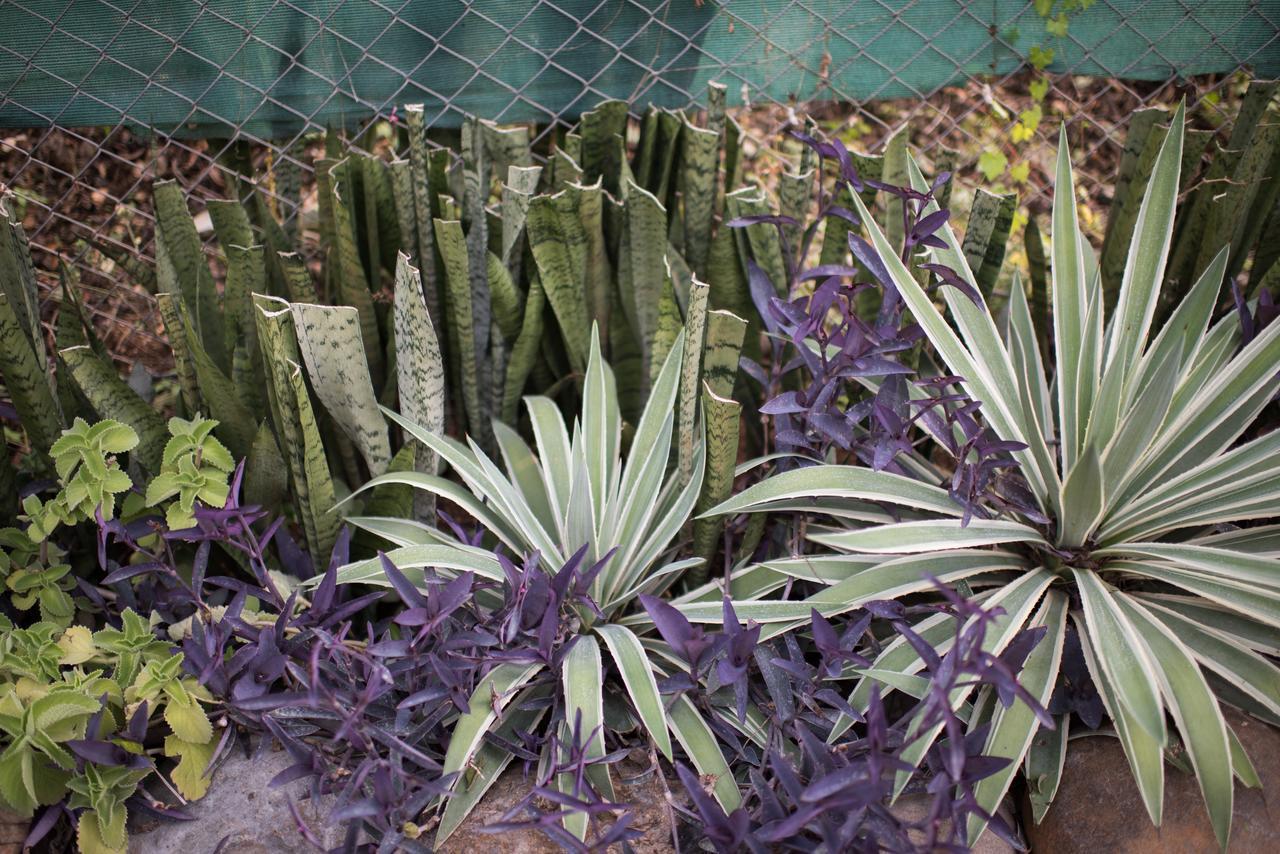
x=635 y=784
x=1098 y=808
x=241 y=806
x=13 y=832
x=915 y=808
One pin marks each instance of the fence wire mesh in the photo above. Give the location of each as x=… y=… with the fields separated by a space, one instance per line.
x=99 y=98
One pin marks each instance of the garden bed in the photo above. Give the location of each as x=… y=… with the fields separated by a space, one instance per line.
x=608 y=498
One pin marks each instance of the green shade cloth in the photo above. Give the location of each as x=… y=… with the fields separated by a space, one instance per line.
x=272 y=67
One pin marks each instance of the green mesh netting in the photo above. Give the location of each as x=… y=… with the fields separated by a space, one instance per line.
x=270 y=67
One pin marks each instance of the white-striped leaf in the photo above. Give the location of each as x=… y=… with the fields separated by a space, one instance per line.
x=929 y=535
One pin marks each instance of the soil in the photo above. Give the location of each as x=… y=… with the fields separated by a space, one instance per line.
x=1098 y=808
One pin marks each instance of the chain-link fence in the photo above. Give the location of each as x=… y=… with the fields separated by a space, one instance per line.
x=100 y=97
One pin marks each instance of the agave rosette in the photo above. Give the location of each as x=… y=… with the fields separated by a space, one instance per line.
x=577 y=490
x=1139 y=455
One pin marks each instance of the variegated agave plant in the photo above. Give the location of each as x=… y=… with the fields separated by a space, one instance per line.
x=577 y=489
x=1137 y=454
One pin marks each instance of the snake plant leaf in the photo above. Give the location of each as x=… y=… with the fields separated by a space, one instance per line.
x=387 y=219
x=77 y=324
x=699 y=164
x=363 y=187
x=645 y=229
x=348 y=274
x=176 y=232
x=457 y=281
x=603 y=152
x=419 y=371
x=331 y=347
x=595 y=270
x=894 y=171
x=794 y=193
x=646 y=147
x=184 y=364
x=716 y=98
x=111 y=398
x=564 y=169
x=573 y=230
x=524 y=354
x=721 y=417
x=835 y=241
x=1238 y=216
x=986 y=236
x=424 y=252
x=299 y=286
x=733 y=155
x=476 y=194
x=27 y=379
x=670 y=324
x=729 y=291
x=695 y=335
x=246 y=275
x=1264 y=275
x=275 y=240
x=506 y=147
x=230 y=223
x=560 y=281
x=401 y=171
x=1214 y=207
x=320 y=491
x=1040 y=300
x=295 y=427
x=663 y=178
x=725 y=334
x=517 y=191
x=105 y=253
x=236 y=424
x=266 y=476
x=18 y=276
x=762 y=238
